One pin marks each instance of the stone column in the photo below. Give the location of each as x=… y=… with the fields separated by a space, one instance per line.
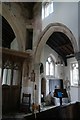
x=77 y=55
x=37 y=84
x=79 y=81
x=0 y=101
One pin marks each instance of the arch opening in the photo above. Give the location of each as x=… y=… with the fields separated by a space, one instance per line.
x=8 y=15
x=8 y=34
x=52 y=30
x=61 y=32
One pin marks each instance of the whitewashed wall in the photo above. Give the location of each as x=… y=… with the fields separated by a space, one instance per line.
x=45 y=54
x=65 y=13
x=59 y=70
x=64 y=70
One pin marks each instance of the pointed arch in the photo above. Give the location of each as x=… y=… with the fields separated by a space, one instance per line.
x=7 y=14
x=53 y=27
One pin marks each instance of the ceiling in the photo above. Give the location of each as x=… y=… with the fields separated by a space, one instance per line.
x=59 y=42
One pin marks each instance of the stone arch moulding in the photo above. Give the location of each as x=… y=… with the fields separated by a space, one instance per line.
x=53 y=27
x=53 y=57
x=14 y=24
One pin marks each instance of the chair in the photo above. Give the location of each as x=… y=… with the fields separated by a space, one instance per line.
x=26 y=103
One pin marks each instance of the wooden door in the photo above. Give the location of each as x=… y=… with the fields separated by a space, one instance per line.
x=11 y=90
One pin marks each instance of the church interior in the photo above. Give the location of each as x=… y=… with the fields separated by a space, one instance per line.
x=40 y=60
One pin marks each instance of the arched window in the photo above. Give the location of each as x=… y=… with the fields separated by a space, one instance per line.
x=47 y=9
x=74 y=74
x=50 y=67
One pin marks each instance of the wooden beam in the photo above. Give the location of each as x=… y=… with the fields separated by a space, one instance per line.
x=15 y=55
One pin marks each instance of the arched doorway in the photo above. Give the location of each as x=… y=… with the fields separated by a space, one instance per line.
x=52 y=29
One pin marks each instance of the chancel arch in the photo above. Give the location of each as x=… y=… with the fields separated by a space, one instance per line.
x=47 y=32
x=45 y=36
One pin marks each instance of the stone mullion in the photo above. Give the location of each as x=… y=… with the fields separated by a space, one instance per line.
x=2 y=75
x=12 y=72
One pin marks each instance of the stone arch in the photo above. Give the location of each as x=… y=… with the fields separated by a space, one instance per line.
x=53 y=27
x=14 y=25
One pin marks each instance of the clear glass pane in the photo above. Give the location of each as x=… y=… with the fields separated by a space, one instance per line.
x=49 y=59
x=76 y=65
x=48 y=10
x=51 y=7
x=51 y=69
x=75 y=74
x=45 y=11
x=4 y=76
x=47 y=68
x=8 y=76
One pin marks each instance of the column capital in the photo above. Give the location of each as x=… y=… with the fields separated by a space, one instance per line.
x=77 y=56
